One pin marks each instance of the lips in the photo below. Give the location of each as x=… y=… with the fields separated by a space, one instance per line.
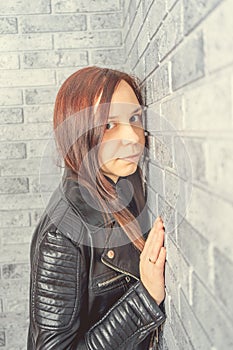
x=132 y=158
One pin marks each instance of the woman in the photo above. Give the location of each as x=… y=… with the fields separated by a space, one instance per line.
x=97 y=276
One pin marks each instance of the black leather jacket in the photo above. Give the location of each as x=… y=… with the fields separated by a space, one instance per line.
x=85 y=290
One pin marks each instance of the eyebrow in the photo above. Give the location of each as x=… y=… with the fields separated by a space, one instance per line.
x=136 y=110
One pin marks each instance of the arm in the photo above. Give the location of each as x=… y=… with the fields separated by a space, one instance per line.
x=58 y=300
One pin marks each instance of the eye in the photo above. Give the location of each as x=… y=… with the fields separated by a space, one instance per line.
x=109 y=125
x=136 y=118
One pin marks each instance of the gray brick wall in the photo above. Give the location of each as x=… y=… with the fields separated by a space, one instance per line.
x=41 y=43
x=183 y=52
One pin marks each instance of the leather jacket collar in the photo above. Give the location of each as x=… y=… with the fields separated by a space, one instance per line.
x=94 y=220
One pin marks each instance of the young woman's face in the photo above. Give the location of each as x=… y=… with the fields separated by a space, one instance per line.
x=124 y=139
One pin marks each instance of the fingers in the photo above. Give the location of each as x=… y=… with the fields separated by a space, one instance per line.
x=160 y=262
x=155 y=239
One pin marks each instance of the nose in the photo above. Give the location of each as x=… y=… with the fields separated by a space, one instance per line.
x=129 y=135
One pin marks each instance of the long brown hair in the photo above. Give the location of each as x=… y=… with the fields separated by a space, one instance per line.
x=83 y=129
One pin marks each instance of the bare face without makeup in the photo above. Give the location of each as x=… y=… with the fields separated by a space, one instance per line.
x=124 y=140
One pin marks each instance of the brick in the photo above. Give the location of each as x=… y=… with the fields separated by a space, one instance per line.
x=179 y=264
x=24 y=7
x=161 y=84
x=171 y=188
x=145 y=6
x=2 y=338
x=84 y=6
x=13 y=185
x=32 y=166
x=8 y=25
x=26 y=78
x=132 y=12
x=137 y=23
x=52 y=23
x=169 y=341
x=16 y=306
x=156 y=179
x=25 y=131
x=133 y=56
x=210 y=99
x=182 y=160
x=25 y=42
x=35 y=216
x=19 y=202
x=87 y=39
x=199 y=261
x=47 y=183
x=172 y=285
x=196 y=149
x=155 y=16
x=106 y=20
x=188 y=62
x=219 y=165
x=14 y=218
x=11 y=322
x=152 y=200
x=182 y=338
x=140 y=69
x=151 y=57
x=170 y=4
x=9 y=61
x=168 y=215
x=14 y=253
x=162 y=151
x=218 y=42
x=108 y=57
x=46 y=59
x=35 y=148
x=143 y=38
x=38 y=114
x=15 y=271
x=9 y=96
x=207 y=205
x=222 y=272
x=63 y=73
x=211 y=316
x=15 y=235
x=171 y=32
x=12 y=150
x=172 y=113
x=41 y=95
x=192 y=325
x=195 y=11
x=11 y=115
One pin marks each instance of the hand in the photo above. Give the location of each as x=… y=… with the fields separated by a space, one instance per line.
x=152 y=274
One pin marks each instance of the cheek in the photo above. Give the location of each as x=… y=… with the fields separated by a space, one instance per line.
x=108 y=151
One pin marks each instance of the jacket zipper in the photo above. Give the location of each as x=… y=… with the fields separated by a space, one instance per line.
x=119 y=270
x=129 y=274
x=111 y=280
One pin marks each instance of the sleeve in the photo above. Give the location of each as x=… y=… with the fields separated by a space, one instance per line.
x=58 y=293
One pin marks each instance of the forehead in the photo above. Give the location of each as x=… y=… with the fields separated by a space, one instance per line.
x=124 y=100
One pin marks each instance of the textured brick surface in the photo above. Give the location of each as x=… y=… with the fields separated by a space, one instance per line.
x=183 y=52
x=48 y=23
x=9 y=61
x=8 y=25
x=189 y=82
x=188 y=63
x=85 y=6
x=52 y=59
x=87 y=39
x=195 y=11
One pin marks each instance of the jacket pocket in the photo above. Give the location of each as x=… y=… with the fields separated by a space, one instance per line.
x=109 y=282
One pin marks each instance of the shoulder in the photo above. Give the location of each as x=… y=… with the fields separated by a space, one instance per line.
x=59 y=218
